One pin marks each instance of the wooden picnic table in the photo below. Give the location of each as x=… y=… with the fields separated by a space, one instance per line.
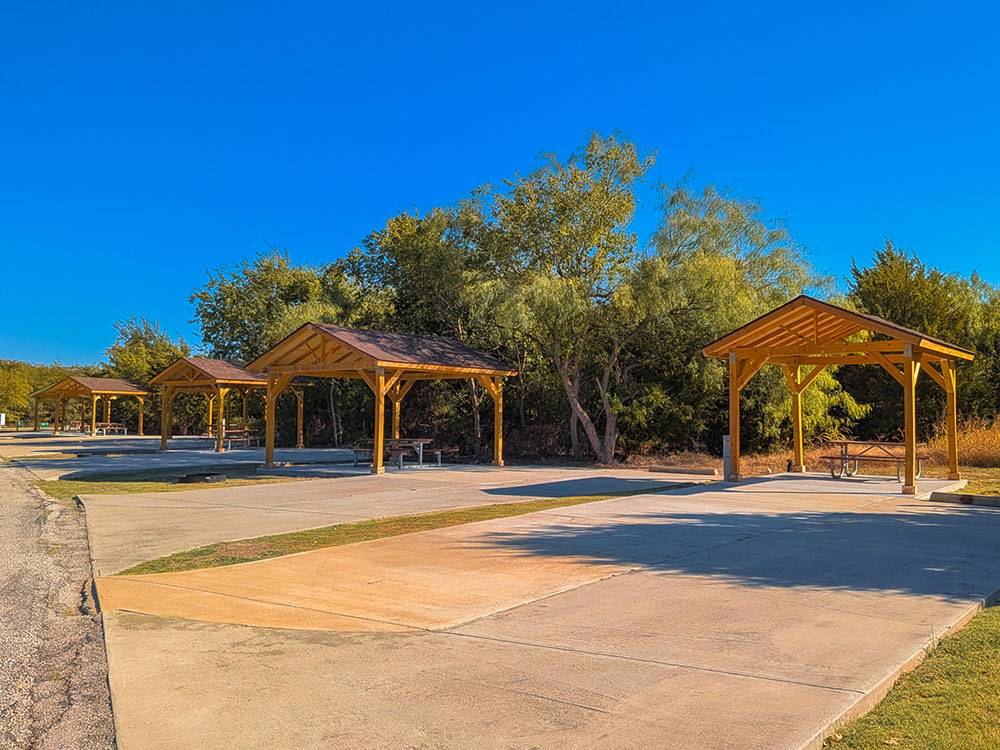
x=105 y=427
x=397 y=448
x=868 y=451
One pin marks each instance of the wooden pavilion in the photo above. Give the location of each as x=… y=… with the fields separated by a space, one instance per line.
x=86 y=389
x=806 y=335
x=389 y=363
x=215 y=378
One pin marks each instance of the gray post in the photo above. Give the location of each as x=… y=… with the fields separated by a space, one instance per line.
x=727 y=470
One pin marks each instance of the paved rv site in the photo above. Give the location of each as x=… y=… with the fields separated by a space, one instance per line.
x=756 y=615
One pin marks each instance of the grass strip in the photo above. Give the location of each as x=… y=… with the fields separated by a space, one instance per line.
x=155 y=480
x=276 y=545
x=951 y=700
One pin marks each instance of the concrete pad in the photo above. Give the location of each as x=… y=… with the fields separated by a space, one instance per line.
x=183 y=684
x=711 y=617
x=129 y=529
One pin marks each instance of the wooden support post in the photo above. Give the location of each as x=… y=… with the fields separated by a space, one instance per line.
x=142 y=404
x=220 y=424
x=244 y=392
x=107 y=408
x=38 y=421
x=167 y=396
x=276 y=383
x=211 y=409
x=378 y=444
x=55 y=416
x=270 y=397
x=798 y=452
x=299 y=408
x=911 y=369
x=498 y=422
x=93 y=415
x=734 y=419
x=951 y=418
x=397 y=408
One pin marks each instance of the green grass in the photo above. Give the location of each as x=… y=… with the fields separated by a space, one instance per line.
x=264 y=547
x=950 y=702
x=158 y=480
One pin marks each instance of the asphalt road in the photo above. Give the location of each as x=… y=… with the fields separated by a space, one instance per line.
x=53 y=671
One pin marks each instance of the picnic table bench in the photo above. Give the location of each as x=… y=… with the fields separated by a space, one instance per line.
x=396 y=449
x=240 y=436
x=852 y=453
x=105 y=427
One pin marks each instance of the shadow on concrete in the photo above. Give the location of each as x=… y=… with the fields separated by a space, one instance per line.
x=954 y=554
x=584 y=486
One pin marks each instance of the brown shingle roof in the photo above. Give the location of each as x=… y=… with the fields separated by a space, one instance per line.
x=76 y=383
x=222 y=369
x=807 y=320
x=408 y=348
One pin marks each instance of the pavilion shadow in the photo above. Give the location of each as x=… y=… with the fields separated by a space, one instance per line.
x=583 y=486
x=954 y=555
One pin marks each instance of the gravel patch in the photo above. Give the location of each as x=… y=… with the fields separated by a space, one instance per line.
x=53 y=670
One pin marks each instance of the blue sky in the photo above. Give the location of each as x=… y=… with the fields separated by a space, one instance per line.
x=142 y=143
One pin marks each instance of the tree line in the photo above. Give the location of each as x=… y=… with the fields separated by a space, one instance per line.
x=546 y=271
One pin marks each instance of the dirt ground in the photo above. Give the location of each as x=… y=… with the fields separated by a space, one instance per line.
x=53 y=671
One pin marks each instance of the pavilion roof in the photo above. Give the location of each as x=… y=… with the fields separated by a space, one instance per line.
x=808 y=326
x=316 y=348
x=84 y=385
x=196 y=372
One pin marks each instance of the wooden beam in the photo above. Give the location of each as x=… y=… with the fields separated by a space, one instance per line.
x=270 y=398
x=93 y=416
x=220 y=422
x=806 y=381
x=850 y=347
x=734 y=420
x=378 y=444
x=911 y=370
x=141 y=408
x=38 y=422
x=168 y=394
x=935 y=375
x=498 y=422
x=748 y=370
x=951 y=418
x=299 y=436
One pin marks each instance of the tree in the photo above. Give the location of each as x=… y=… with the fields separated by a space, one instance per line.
x=142 y=349
x=566 y=257
x=238 y=309
x=898 y=286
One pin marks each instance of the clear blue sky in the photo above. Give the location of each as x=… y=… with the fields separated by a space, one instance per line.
x=141 y=143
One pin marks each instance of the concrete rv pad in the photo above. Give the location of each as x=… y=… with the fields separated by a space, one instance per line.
x=128 y=529
x=714 y=617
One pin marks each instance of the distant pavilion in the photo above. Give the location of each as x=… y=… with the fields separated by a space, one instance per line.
x=86 y=389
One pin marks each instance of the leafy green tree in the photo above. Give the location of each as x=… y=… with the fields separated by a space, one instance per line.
x=140 y=350
x=567 y=258
x=898 y=286
x=238 y=309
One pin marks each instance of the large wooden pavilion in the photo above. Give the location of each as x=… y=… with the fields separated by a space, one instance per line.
x=215 y=378
x=805 y=336
x=86 y=389
x=389 y=363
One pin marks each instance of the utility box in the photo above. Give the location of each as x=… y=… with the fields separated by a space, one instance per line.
x=727 y=469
